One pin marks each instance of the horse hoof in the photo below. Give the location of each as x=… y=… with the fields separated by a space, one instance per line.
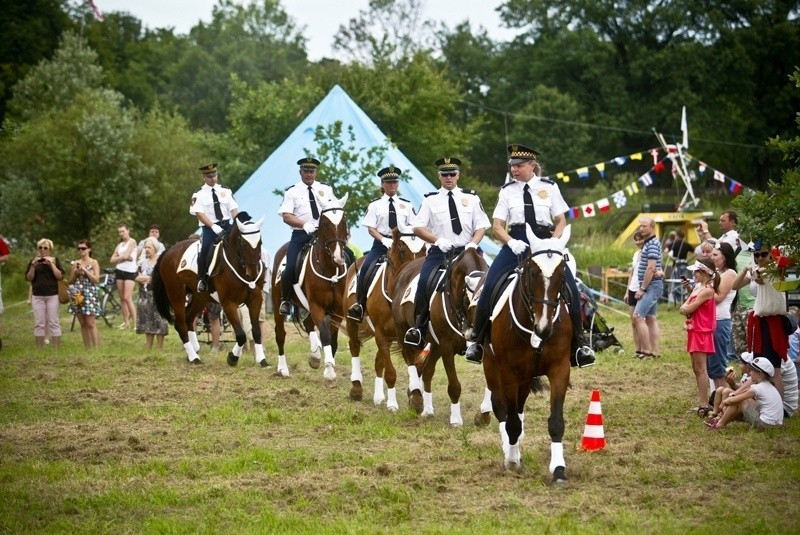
x=329 y=374
x=356 y=392
x=415 y=401
x=560 y=476
x=233 y=360
x=513 y=466
x=314 y=362
x=482 y=419
x=283 y=372
x=264 y=363
x=392 y=408
x=195 y=362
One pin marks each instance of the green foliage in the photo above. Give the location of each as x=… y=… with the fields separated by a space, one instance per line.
x=347 y=168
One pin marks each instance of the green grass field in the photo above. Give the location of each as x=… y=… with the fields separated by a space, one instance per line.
x=120 y=441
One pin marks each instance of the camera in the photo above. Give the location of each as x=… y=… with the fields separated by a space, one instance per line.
x=42 y=261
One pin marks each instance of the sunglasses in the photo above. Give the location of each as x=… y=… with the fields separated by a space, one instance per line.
x=44 y=248
x=448 y=174
x=762 y=254
x=82 y=248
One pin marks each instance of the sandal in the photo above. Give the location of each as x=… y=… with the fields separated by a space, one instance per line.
x=711 y=422
x=703 y=412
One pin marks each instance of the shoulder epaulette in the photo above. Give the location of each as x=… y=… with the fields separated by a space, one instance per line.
x=506 y=184
x=375 y=200
x=198 y=189
x=432 y=193
x=290 y=187
x=404 y=200
x=223 y=187
x=547 y=181
x=469 y=191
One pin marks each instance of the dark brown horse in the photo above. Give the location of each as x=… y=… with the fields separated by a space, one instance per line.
x=530 y=337
x=320 y=290
x=378 y=319
x=445 y=337
x=237 y=276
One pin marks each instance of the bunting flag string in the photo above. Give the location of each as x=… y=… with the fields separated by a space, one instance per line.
x=583 y=172
x=620 y=198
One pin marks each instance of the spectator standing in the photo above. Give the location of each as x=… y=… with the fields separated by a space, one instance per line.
x=124 y=258
x=745 y=301
x=153 y=232
x=701 y=321
x=83 y=290
x=148 y=321
x=728 y=221
x=651 y=286
x=633 y=286
x=677 y=255
x=794 y=340
x=43 y=272
x=725 y=262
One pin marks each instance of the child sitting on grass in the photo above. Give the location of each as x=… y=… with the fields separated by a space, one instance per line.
x=733 y=387
x=760 y=405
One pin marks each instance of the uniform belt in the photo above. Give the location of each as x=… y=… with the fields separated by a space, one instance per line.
x=521 y=226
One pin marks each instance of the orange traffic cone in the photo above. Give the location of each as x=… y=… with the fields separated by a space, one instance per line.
x=593 y=437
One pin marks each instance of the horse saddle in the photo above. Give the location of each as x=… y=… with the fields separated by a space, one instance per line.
x=192 y=253
x=372 y=277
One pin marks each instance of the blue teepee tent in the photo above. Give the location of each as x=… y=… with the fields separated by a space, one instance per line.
x=279 y=170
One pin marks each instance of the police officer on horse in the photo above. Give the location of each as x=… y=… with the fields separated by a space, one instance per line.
x=214 y=206
x=383 y=215
x=299 y=210
x=538 y=202
x=452 y=219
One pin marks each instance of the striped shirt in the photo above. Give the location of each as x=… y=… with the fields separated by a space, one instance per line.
x=650 y=251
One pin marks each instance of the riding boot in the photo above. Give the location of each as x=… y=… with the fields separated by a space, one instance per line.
x=202 y=276
x=414 y=334
x=474 y=352
x=581 y=355
x=285 y=308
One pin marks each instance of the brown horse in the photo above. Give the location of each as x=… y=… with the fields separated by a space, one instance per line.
x=446 y=331
x=378 y=319
x=320 y=289
x=530 y=337
x=238 y=277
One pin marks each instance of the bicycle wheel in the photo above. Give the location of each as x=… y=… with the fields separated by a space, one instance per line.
x=110 y=308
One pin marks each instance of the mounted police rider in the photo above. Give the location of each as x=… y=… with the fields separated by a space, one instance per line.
x=452 y=219
x=214 y=206
x=538 y=202
x=383 y=215
x=300 y=211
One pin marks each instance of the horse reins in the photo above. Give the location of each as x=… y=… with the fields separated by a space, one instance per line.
x=239 y=257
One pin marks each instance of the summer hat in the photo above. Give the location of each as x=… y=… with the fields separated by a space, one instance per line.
x=763 y=365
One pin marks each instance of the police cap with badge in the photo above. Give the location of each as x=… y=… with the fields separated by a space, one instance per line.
x=390 y=174
x=518 y=154
x=309 y=163
x=208 y=169
x=448 y=165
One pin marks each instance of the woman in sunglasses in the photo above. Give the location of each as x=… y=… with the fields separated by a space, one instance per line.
x=83 y=291
x=44 y=271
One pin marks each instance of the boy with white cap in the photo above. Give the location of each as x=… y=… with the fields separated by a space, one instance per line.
x=760 y=406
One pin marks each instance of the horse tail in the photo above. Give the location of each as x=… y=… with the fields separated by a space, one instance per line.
x=538 y=386
x=160 y=293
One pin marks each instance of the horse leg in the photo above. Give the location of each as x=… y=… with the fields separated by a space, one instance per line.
x=428 y=370
x=184 y=324
x=232 y=313
x=453 y=388
x=313 y=342
x=386 y=370
x=484 y=415
x=323 y=323
x=254 y=310
x=354 y=343
x=559 y=382
x=280 y=339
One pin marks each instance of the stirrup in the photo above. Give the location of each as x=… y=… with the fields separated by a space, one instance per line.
x=285 y=309
x=584 y=357
x=202 y=286
x=474 y=353
x=356 y=312
x=413 y=337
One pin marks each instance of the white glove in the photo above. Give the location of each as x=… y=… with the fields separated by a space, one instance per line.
x=217 y=229
x=309 y=227
x=471 y=245
x=517 y=246
x=444 y=244
x=387 y=242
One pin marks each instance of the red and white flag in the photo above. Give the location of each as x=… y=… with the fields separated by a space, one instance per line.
x=588 y=210
x=603 y=205
x=96 y=10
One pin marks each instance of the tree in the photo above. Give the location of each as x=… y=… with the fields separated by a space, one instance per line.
x=773 y=215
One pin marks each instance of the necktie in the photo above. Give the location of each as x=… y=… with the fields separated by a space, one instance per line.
x=313 y=202
x=530 y=213
x=454 y=221
x=392 y=215
x=217 y=209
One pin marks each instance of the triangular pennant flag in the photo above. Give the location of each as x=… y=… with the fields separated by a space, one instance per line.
x=659 y=167
x=646 y=179
x=588 y=210
x=583 y=172
x=620 y=199
x=620 y=160
x=719 y=176
x=637 y=156
x=603 y=205
x=601 y=167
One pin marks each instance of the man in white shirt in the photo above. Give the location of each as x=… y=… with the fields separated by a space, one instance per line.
x=728 y=220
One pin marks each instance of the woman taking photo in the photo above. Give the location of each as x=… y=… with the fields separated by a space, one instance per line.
x=149 y=321
x=44 y=271
x=83 y=294
x=124 y=258
x=725 y=261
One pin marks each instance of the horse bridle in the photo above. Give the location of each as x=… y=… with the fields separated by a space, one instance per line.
x=459 y=313
x=325 y=246
x=389 y=264
x=240 y=257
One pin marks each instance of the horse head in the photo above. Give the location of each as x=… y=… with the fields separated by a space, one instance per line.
x=466 y=267
x=406 y=246
x=542 y=278
x=332 y=232
x=245 y=241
